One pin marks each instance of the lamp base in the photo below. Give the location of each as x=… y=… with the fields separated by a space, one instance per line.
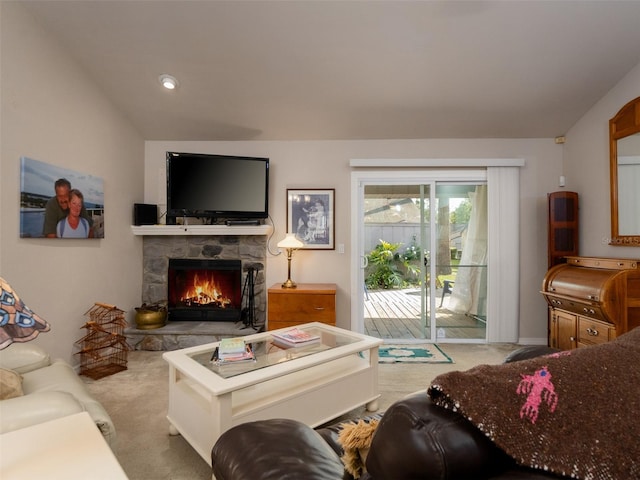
x=289 y=284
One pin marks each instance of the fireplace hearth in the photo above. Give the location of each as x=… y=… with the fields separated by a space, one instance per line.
x=204 y=290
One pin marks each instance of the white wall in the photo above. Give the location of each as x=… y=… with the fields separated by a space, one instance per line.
x=325 y=164
x=53 y=112
x=586 y=162
x=69 y=122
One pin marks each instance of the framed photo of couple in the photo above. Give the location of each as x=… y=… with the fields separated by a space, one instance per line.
x=310 y=215
x=58 y=202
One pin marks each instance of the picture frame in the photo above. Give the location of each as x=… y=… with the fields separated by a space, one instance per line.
x=43 y=185
x=310 y=215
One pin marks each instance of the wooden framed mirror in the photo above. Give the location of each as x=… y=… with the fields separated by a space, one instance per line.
x=624 y=145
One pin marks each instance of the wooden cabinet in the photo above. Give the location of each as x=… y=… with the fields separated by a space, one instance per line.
x=591 y=300
x=562 y=330
x=309 y=302
x=568 y=330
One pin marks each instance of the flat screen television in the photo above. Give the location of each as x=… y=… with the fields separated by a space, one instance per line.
x=217 y=187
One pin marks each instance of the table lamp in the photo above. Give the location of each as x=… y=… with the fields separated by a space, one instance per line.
x=291 y=243
x=18 y=323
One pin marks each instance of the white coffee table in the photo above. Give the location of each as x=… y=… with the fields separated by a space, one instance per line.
x=312 y=384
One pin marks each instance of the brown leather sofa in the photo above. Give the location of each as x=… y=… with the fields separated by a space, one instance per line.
x=415 y=439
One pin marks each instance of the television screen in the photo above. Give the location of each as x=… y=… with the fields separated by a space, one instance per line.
x=216 y=186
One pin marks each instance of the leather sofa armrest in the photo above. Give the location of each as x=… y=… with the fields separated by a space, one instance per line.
x=277 y=449
x=27 y=410
x=418 y=439
x=60 y=376
x=23 y=357
x=530 y=351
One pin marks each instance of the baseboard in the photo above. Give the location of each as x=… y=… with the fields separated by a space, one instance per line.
x=533 y=341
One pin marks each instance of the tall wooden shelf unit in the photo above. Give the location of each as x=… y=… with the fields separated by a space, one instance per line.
x=563 y=226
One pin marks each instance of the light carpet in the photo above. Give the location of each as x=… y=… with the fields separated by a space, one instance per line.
x=412 y=354
x=137 y=400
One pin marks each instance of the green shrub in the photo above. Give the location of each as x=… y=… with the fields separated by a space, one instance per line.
x=388 y=268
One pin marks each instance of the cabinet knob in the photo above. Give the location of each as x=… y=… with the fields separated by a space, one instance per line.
x=593 y=332
x=573 y=339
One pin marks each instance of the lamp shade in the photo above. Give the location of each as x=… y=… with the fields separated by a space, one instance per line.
x=17 y=322
x=290 y=241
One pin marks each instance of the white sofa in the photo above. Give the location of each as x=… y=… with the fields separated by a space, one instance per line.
x=51 y=389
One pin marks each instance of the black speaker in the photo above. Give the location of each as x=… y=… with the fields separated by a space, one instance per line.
x=145 y=214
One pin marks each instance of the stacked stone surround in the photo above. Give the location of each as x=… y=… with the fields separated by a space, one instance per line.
x=251 y=250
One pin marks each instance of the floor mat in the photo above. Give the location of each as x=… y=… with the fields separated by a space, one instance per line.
x=430 y=353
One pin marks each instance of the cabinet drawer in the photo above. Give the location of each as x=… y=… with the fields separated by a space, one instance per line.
x=594 y=332
x=302 y=308
x=607 y=263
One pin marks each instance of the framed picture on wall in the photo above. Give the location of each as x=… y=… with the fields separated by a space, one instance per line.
x=57 y=202
x=310 y=215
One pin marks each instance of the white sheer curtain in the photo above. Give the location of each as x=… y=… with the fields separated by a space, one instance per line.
x=469 y=293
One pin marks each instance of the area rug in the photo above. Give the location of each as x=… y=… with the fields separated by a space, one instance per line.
x=411 y=353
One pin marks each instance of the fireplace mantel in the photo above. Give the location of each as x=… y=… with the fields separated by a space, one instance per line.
x=201 y=229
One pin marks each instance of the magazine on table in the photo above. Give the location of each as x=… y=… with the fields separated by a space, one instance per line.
x=246 y=355
x=295 y=338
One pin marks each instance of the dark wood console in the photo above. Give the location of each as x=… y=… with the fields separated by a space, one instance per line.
x=591 y=300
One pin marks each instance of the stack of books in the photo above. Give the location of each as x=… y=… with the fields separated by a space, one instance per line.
x=233 y=350
x=294 y=338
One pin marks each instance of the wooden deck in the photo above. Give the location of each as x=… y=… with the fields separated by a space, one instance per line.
x=395 y=314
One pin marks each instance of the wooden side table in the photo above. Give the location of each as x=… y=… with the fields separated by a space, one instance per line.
x=308 y=302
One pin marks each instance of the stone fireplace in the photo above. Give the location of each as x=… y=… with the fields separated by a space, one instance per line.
x=248 y=252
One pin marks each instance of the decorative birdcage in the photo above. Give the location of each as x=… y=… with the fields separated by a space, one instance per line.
x=103 y=350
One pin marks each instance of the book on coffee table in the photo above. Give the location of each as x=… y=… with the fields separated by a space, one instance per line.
x=295 y=338
x=231 y=346
x=245 y=355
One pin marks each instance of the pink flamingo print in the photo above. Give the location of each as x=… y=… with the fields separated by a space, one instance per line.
x=538 y=388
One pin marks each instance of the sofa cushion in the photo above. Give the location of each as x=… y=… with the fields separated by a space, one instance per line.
x=36 y=408
x=59 y=376
x=24 y=357
x=277 y=449
x=417 y=439
x=10 y=384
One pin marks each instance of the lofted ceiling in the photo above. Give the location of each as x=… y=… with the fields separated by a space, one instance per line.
x=320 y=69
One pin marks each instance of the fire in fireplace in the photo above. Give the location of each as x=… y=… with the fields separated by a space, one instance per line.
x=205 y=290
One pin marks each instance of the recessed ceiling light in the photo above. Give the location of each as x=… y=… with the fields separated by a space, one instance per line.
x=167 y=81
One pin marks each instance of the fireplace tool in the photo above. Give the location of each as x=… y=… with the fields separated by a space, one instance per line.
x=248 y=314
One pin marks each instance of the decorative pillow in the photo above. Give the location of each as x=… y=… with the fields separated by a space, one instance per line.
x=355 y=439
x=10 y=384
x=17 y=322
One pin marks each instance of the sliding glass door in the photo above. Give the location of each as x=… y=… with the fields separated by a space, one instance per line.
x=423 y=248
x=396 y=254
x=460 y=276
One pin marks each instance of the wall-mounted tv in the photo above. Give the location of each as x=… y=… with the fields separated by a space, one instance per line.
x=217 y=187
